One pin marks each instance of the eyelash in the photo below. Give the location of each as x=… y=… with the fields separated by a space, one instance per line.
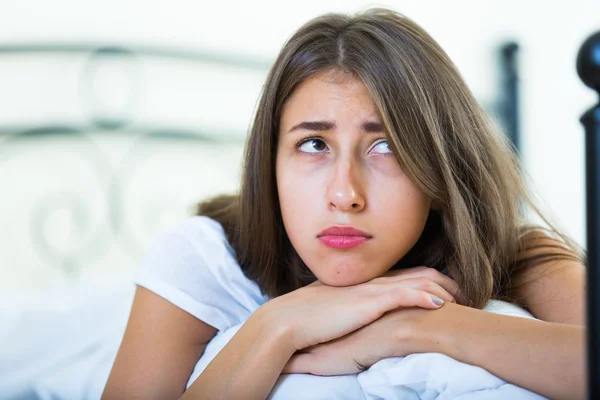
x=308 y=139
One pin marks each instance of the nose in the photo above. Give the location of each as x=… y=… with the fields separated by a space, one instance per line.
x=345 y=192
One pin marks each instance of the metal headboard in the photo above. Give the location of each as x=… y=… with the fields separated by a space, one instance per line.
x=122 y=123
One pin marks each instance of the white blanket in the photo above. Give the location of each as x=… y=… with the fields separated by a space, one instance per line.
x=61 y=346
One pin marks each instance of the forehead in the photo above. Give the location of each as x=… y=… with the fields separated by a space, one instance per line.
x=325 y=95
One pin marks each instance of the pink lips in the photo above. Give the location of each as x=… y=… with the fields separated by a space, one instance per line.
x=342 y=237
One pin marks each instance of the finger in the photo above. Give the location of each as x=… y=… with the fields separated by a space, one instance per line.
x=407 y=297
x=426 y=285
x=444 y=281
x=395 y=297
x=419 y=283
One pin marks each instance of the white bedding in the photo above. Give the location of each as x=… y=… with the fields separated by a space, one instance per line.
x=61 y=345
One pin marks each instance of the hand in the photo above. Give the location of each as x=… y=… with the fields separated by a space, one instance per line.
x=319 y=313
x=428 y=280
x=432 y=281
x=398 y=333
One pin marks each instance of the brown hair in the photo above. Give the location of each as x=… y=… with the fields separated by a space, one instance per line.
x=441 y=137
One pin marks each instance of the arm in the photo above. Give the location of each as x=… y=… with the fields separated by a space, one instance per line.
x=161 y=345
x=249 y=365
x=544 y=357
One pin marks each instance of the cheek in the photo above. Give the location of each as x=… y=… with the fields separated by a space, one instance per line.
x=297 y=197
x=394 y=189
x=401 y=208
x=403 y=201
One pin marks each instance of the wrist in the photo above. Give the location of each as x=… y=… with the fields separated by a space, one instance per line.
x=451 y=327
x=431 y=331
x=275 y=327
x=445 y=326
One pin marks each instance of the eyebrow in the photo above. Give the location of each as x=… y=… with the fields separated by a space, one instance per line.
x=319 y=126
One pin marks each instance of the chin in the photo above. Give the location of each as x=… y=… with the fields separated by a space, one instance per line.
x=343 y=277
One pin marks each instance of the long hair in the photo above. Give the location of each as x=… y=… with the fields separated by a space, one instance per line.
x=441 y=138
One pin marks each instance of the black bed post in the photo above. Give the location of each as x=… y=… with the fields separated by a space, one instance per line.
x=588 y=68
x=510 y=88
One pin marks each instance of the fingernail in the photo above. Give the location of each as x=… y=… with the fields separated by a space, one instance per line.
x=437 y=301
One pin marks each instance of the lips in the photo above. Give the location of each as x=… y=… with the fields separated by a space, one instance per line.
x=343 y=237
x=343 y=231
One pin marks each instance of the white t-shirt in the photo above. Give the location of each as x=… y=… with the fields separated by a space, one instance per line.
x=194 y=267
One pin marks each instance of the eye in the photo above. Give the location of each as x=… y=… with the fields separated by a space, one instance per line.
x=312 y=145
x=381 y=147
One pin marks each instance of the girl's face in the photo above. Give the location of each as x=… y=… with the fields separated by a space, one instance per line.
x=335 y=171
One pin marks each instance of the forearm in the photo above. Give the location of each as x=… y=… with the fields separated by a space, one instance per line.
x=546 y=358
x=248 y=367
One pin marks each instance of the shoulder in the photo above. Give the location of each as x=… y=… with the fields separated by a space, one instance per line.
x=199 y=229
x=193 y=266
x=539 y=246
x=198 y=236
x=549 y=278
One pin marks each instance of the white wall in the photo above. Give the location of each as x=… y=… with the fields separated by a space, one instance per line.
x=549 y=33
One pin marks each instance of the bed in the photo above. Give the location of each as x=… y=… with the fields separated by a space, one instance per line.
x=106 y=147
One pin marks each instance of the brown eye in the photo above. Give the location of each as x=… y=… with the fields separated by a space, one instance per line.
x=313 y=145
